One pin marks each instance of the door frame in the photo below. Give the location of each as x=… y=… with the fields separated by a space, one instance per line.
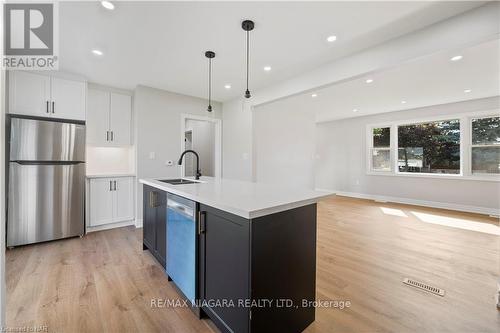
x=217 y=143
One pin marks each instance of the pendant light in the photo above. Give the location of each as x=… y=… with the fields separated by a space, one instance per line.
x=210 y=55
x=248 y=26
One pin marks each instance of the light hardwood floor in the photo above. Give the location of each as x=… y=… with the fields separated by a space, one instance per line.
x=105 y=282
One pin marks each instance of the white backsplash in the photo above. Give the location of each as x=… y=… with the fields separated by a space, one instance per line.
x=110 y=160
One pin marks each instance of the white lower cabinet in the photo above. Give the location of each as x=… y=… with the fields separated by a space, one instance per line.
x=110 y=200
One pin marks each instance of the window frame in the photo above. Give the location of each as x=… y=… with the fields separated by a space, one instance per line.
x=465 y=120
x=471 y=145
x=396 y=159
x=371 y=148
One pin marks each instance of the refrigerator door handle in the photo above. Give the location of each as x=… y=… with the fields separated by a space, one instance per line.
x=48 y=162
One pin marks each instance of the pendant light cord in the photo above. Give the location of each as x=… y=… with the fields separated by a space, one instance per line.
x=209 y=82
x=248 y=52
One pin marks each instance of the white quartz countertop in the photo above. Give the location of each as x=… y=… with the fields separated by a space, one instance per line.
x=246 y=199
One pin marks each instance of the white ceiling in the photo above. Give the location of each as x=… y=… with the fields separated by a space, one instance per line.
x=431 y=80
x=162 y=44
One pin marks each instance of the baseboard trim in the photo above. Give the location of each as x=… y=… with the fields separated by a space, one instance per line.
x=110 y=226
x=138 y=223
x=425 y=203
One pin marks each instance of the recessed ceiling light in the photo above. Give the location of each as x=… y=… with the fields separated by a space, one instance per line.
x=456 y=58
x=97 y=52
x=369 y=80
x=108 y=5
x=354 y=110
x=403 y=102
x=314 y=95
x=331 y=38
x=267 y=68
x=227 y=86
x=467 y=91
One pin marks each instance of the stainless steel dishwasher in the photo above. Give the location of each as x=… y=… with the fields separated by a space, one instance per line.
x=181 y=244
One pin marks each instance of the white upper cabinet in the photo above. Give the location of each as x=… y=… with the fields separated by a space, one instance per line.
x=29 y=94
x=109 y=117
x=68 y=99
x=120 y=116
x=98 y=117
x=42 y=95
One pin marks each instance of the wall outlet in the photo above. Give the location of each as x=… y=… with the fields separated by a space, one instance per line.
x=169 y=163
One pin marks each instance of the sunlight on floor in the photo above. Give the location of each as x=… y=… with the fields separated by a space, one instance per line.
x=458 y=223
x=392 y=211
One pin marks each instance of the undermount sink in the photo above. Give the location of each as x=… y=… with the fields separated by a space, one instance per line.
x=178 y=181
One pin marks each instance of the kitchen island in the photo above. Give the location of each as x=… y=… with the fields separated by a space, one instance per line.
x=242 y=253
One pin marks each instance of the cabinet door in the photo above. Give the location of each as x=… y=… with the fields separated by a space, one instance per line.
x=149 y=217
x=225 y=249
x=101 y=202
x=29 y=94
x=161 y=226
x=123 y=208
x=97 y=124
x=120 y=118
x=68 y=99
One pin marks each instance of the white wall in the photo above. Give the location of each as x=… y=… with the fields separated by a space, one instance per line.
x=341 y=146
x=237 y=133
x=157 y=121
x=284 y=144
x=110 y=160
x=203 y=142
x=3 y=108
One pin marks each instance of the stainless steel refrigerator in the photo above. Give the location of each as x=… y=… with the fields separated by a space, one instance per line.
x=46 y=181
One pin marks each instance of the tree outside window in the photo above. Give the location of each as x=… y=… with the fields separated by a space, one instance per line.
x=485 y=151
x=432 y=147
x=381 y=151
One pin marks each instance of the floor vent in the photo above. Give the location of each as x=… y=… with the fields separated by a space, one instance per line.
x=424 y=286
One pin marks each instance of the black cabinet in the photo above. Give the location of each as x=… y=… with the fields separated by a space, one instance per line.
x=268 y=261
x=225 y=267
x=154 y=210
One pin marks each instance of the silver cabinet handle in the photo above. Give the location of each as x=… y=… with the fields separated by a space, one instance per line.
x=114 y=182
x=47 y=107
x=53 y=107
x=112 y=136
x=201 y=222
x=152 y=199
x=107 y=135
x=110 y=186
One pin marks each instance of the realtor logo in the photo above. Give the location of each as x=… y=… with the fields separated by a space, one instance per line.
x=30 y=36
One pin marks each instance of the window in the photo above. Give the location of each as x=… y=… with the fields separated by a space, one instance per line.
x=432 y=147
x=463 y=146
x=381 y=149
x=485 y=149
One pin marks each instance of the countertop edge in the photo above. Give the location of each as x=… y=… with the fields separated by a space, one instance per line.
x=113 y=175
x=242 y=213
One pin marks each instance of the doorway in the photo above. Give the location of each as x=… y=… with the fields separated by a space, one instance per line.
x=203 y=135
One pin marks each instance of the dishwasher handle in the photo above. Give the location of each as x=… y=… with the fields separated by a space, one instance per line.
x=180 y=208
